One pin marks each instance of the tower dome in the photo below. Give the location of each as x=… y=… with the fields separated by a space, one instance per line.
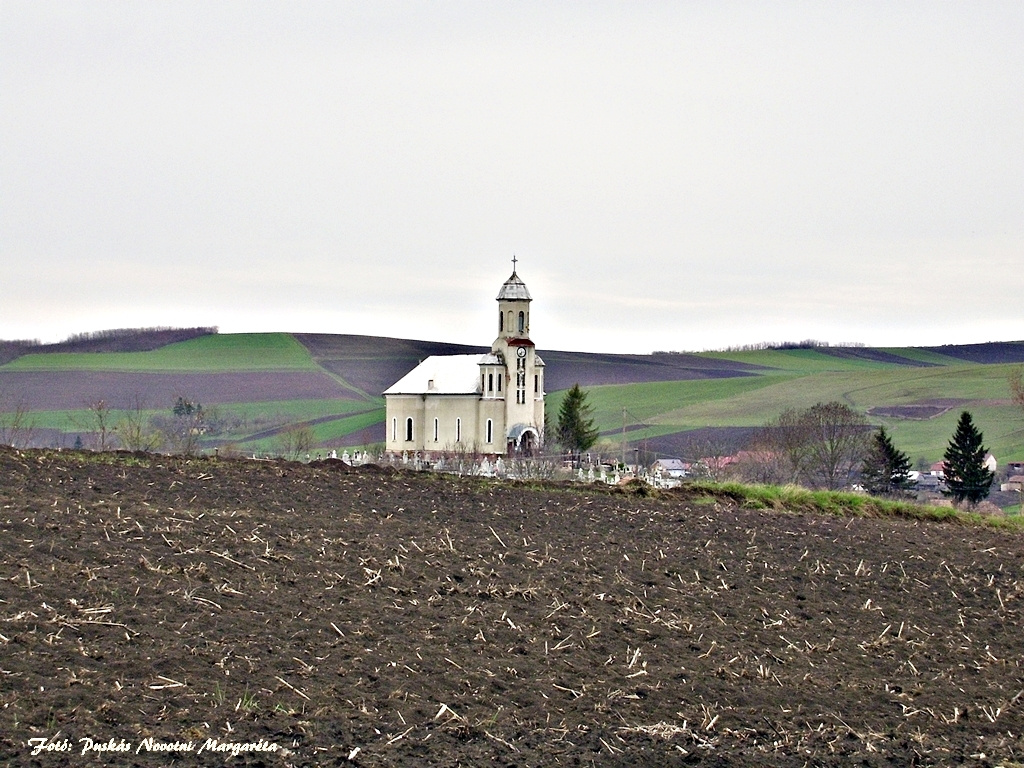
x=514 y=289
x=513 y=310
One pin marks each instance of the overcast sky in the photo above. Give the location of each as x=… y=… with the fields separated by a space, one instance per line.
x=670 y=175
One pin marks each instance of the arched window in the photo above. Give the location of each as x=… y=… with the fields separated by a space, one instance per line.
x=490 y=431
x=501 y=321
x=499 y=382
x=408 y=429
x=522 y=322
x=394 y=430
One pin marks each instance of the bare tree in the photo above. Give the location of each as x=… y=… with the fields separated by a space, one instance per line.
x=17 y=427
x=820 y=447
x=838 y=440
x=760 y=463
x=296 y=441
x=1017 y=386
x=466 y=458
x=712 y=457
x=183 y=429
x=790 y=440
x=134 y=429
x=100 y=418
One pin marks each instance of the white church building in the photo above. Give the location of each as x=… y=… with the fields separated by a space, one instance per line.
x=491 y=404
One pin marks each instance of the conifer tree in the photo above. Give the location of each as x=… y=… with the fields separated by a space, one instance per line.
x=886 y=469
x=576 y=431
x=967 y=477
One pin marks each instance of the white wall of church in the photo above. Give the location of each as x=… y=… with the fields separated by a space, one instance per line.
x=445 y=423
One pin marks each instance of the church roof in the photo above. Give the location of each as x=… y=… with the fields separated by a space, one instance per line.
x=514 y=289
x=444 y=375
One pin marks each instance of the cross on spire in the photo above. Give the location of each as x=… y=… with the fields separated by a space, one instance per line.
x=514 y=260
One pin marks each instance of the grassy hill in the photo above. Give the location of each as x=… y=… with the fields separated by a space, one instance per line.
x=260 y=385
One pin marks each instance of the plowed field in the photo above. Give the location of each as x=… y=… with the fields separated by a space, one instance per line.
x=306 y=615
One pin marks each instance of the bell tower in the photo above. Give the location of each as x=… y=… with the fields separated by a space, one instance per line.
x=523 y=368
x=513 y=309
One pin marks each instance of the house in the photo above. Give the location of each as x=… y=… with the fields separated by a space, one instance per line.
x=673 y=469
x=490 y=404
x=1013 y=483
x=930 y=483
x=939 y=468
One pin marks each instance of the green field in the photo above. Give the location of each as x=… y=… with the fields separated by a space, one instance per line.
x=804 y=378
x=787 y=378
x=326 y=434
x=800 y=361
x=206 y=354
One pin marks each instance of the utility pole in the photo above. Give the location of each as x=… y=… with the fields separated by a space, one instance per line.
x=623 y=438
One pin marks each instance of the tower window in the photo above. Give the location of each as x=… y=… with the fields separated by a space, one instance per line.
x=501 y=321
x=522 y=321
x=408 y=429
x=536 y=384
x=499 y=382
x=490 y=382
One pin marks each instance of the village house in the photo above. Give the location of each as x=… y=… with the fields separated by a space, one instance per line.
x=669 y=469
x=938 y=469
x=1013 y=483
x=490 y=404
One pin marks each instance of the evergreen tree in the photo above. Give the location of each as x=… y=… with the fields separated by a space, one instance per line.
x=576 y=431
x=967 y=477
x=886 y=469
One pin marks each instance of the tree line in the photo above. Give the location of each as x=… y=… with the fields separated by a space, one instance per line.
x=832 y=446
x=110 y=340
x=829 y=446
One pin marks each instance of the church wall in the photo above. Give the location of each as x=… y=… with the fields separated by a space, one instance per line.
x=447 y=409
x=400 y=408
x=495 y=411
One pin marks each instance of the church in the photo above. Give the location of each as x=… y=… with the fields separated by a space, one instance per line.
x=491 y=404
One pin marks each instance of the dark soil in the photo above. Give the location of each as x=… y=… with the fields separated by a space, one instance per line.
x=373 y=364
x=71 y=390
x=927 y=409
x=696 y=444
x=991 y=353
x=409 y=620
x=563 y=369
x=872 y=355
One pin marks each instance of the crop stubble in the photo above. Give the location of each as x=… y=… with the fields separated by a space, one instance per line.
x=409 y=619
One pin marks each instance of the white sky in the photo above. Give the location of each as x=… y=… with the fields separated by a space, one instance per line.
x=671 y=175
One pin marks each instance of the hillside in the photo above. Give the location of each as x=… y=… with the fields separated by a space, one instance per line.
x=261 y=385
x=376 y=618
